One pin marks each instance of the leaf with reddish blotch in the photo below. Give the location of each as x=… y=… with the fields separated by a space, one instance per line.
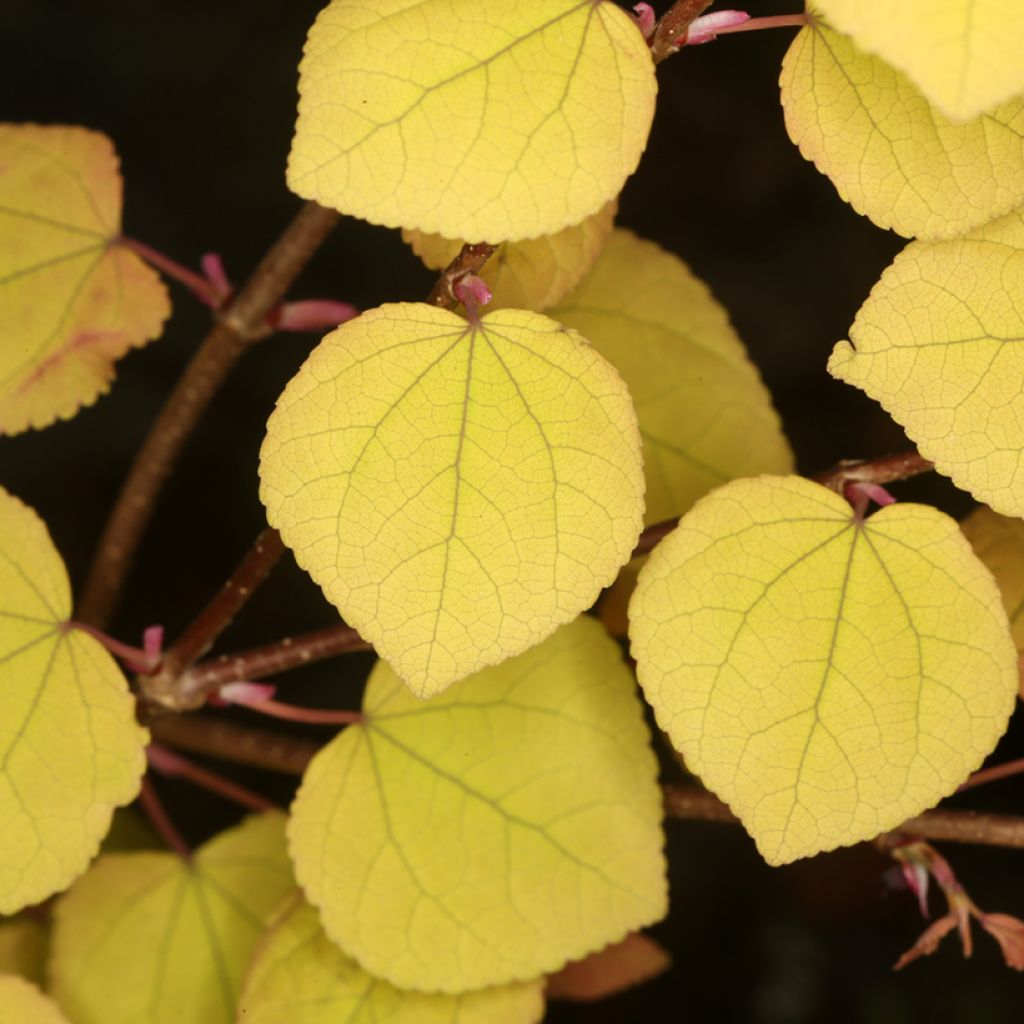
x=72 y=300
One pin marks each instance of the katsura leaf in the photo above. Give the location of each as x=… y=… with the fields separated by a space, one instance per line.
x=23 y=1003
x=533 y=274
x=889 y=153
x=72 y=301
x=149 y=937
x=457 y=491
x=964 y=55
x=999 y=542
x=298 y=976
x=940 y=344
x=827 y=677
x=70 y=748
x=705 y=416
x=492 y=833
x=480 y=121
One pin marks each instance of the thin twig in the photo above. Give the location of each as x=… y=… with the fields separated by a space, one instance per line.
x=165 y=686
x=673 y=24
x=238 y=325
x=998 y=771
x=470 y=260
x=886 y=470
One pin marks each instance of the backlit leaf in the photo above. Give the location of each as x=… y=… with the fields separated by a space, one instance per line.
x=71 y=302
x=705 y=417
x=146 y=938
x=23 y=1003
x=532 y=274
x=964 y=55
x=493 y=833
x=457 y=492
x=939 y=344
x=70 y=748
x=298 y=976
x=889 y=153
x=23 y=946
x=827 y=678
x=472 y=120
x=999 y=542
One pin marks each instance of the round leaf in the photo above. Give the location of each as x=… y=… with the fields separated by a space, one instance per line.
x=71 y=301
x=827 y=677
x=533 y=274
x=149 y=937
x=479 y=121
x=458 y=492
x=938 y=344
x=298 y=976
x=492 y=834
x=964 y=55
x=888 y=152
x=70 y=747
x=24 y=1003
x=999 y=542
x=705 y=416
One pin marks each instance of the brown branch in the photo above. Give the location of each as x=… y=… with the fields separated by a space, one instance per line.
x=470 y=260
x=886 y=470
x=166 y=686
x=238 y=325
x=673 y=24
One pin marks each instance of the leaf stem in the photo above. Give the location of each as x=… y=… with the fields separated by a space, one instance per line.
x=136 y=659
x=173 y=765
x=200 y=287
x=772 y=21
x=238 y=325
x=308 y=716
x=161 y=820
x=998 y=771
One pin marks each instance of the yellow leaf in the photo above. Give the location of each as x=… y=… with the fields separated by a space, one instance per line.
x=70 y=748
x=298 y=976
x=71 y=301
x=458 y=492
x=705 y=417
x=999 y=542
x=889 y=153
x=480 y=121
x=148 y=937
x=23 y=946
x=827 y=678
x=938 y=344
x=23 y=1003
x=492 y=834
x=964 y=55
x=532 y=274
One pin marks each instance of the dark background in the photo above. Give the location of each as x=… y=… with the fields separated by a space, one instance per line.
x=199 y=99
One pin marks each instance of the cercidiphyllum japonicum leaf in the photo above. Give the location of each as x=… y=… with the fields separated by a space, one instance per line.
x=889 y=153
x=23 y=1003
x=471 y=118
x=148 y=938
x=23 y=945
x=71 y=301
x=70 y=747
x=705 y=416
x=940 y=344
x=493 y=833
x=964 y=55
x=298 y=976
x=532 y=274
x=458 y=492
x=827 y=678
x=999 y=542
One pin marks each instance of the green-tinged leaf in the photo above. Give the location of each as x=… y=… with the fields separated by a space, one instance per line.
x=458 y=492
x=71 y=301
x=493 y=833
x=827 y=677
x=964 y=55
x=23 y=1003
x=940 y=344
x=999 y=542
x=532 y=274
x=147 y=938
x=70 y=748
x=634 y=960
x=479 y=121
x=23 y=946
x=888 y=152
x=705 y=417
x=298 y=976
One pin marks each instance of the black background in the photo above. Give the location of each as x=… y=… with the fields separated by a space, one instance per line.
x=199 y=99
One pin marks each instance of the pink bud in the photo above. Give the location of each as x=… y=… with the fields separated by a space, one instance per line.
x=213 y=270
x=246 y=693
x=707 y=26
x=644 y=19
x=153 y=642
x=311 y=315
